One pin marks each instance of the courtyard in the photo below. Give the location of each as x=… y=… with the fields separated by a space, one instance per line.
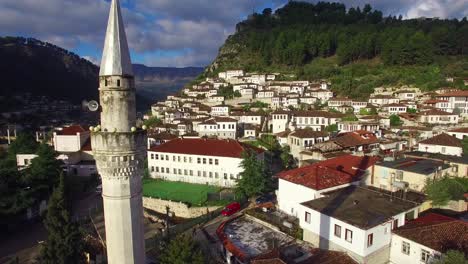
x=194 y=194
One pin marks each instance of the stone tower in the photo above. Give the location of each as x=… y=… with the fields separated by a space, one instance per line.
x=119 y=148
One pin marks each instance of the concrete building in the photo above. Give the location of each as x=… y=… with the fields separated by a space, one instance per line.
x=202 y=161
x=438 y=117
x=460 y=133
x=443 y=144
x=453 y=100
x=411 y=173
x=221 y=127
x=280 y=121
x=426 y=239
x=302 y=139
x=310 y=182
x=356 y=220
x=120 y=149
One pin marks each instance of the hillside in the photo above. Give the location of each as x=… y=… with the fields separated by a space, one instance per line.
x=32 y=66
x=357 y=49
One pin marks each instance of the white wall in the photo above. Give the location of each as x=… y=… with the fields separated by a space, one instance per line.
x=23 y=160
x=229 y=166
x=69 y=143
x=455 y=151
x=398 y=257
x=324 y=226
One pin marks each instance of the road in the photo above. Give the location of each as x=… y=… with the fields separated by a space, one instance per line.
x=24 y=242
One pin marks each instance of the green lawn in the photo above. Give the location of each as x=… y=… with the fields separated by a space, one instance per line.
x=195 y=194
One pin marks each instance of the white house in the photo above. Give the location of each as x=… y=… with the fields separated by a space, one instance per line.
x=220 y=110
x=303 y=184
x=381 y=99
x=202 y=161
x=24 y=160
x=438 y=117
x=317 y=120
x=356 y=220
x=443 y=144
x=460 y=133
x=426 y=239
x=302 y=139
x=454 y=100
x=395 y=109
x=321 y=94
x=280 y=121
x=221 y=127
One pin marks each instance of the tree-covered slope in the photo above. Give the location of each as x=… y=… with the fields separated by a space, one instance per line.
x=356 y=48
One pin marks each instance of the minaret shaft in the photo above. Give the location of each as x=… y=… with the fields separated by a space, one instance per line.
x=119 y=151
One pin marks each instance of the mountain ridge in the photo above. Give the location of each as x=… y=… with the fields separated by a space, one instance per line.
x=40 y=68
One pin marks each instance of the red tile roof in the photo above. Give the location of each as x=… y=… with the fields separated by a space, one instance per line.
x=329 y=173
x=436 y=112
x=443 y=140
x=356 y=138
x=438 y=232
x=454 y=94
x=71 y=130
x=459 y=130
x=205 y=147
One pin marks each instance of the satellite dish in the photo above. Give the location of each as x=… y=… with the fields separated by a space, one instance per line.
x=93 y=106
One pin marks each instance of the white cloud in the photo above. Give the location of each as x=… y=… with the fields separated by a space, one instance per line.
x=193 y=28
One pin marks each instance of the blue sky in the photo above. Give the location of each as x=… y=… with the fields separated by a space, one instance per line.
x=168 y=32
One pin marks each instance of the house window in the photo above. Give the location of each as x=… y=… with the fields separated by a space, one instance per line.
x=370 y=240
x=191 y=172
x=211 y=161
x=216 y=175
x=156 y=156
x=443 y=150
x=198 y=160
x=307 y=217
x=211 y=174
x=175 y=171
x=338 y=231
x=152 y=168
x=173 y=158
x=157 y=169
x=152 y=156
x=204 y=161
x=405 y=248
x=349 y=236
x=216 y=162
x=167 y=157
x=225 y=176
x=199 y=173
x=167 y=170
x=185 y=172
x=180 y=171
x=425 y=256
x=395 y=224
x=204 y=174
x=118 y=83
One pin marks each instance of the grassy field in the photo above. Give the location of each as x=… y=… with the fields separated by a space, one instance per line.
x=194 y=194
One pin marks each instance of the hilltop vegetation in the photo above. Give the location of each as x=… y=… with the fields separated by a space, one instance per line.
x=357 y=49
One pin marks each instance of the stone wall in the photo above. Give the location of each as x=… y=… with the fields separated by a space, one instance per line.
x=179 y=209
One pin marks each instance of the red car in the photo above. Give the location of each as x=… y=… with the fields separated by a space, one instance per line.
x=231 y=209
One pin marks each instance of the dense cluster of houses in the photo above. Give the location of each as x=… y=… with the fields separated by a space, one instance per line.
x=357 y=191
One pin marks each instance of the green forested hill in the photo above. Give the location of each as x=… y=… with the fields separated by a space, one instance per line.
x=357 y=49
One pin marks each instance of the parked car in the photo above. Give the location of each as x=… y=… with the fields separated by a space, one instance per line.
x=265 y=198
x=231 y=209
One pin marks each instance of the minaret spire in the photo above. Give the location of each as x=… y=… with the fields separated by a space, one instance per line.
x=115 y=57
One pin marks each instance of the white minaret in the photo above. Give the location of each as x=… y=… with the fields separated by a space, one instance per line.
x=119 y=151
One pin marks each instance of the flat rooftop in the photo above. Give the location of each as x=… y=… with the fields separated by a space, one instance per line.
x=361 y=207
x=437 y=156
x=415 y=165
x=253 y=238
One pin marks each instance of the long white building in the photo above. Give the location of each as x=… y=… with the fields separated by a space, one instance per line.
x=202 y=161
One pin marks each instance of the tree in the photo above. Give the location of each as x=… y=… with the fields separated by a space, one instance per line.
x=152 y=122
x=45 y=169
x=453 y=257
x=64 y=239
x=332 y=128
x=182 y=249
x=254 y=179
x=24 y=144
x=441 y=191
x=395 y=120
x=465 y=145
x=286 y=157
x=411 y=110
